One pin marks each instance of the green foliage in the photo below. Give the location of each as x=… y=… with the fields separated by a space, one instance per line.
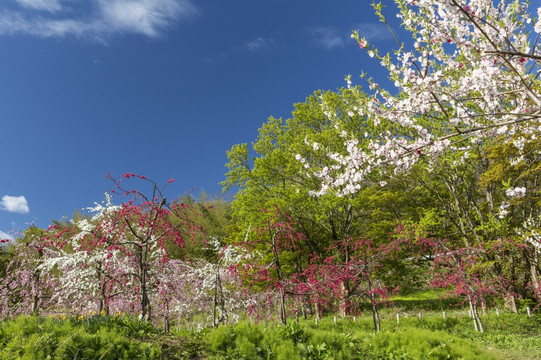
x=338 y=341
x=5 y=258
x=211 y=217
x=426 y=300
x=39 y=338
x=249 y=341
x=274 y=177
x=431 y=337
x=130 y=325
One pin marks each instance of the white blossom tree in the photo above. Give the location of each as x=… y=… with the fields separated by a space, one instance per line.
x=469 y=76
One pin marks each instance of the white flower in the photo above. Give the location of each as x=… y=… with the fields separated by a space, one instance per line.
x=516 y=192
x=503 y=209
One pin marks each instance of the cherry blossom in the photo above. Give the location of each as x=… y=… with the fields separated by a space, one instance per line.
x=471 y=73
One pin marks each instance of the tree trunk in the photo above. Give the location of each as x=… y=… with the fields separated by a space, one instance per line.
x=215 y=305
x=306 y=307
x=343 y=301
x=218 y=300
x=476 y=319
x=375 y=313
x=534 y=262
x=483 y=307
x=509 y=302
x=145 y=302
x=283 y=314
x=35 y=295
x=318 y=310
x=166 y=320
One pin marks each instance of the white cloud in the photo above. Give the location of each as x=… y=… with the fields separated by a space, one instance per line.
x=327 y=37
x=99 y=20
x=330 y=38
x=374 y=31
x=4 y=236
x=259 y=43
x=47 y=5
x=16 y=204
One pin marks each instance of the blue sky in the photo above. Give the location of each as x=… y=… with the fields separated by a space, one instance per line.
x=161 y=88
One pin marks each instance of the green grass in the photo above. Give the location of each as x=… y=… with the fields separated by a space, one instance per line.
x=344 y=340
x=508 y=336
x=426 y=300
x=44 y=338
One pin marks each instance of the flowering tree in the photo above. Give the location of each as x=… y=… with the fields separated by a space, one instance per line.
x=116 y=258
x=352 y=273
x=198 y=289
x=269 y=246
x=26 y=288
x=471 y=74
x=470 y=272
x=90 y=275
x=467 y=81
x=140 y=228
x=461 y=271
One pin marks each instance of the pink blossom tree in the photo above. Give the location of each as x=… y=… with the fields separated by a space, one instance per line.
x=27 y=289
x=268 y=246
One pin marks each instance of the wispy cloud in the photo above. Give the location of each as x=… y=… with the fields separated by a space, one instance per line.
x=374 y=31
x=47 y=5
x=16 y=204
x=327 y=37
x=331 y=38
x=255 y=45
x=259 y=43
x=4 y=236
x=97 y=19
